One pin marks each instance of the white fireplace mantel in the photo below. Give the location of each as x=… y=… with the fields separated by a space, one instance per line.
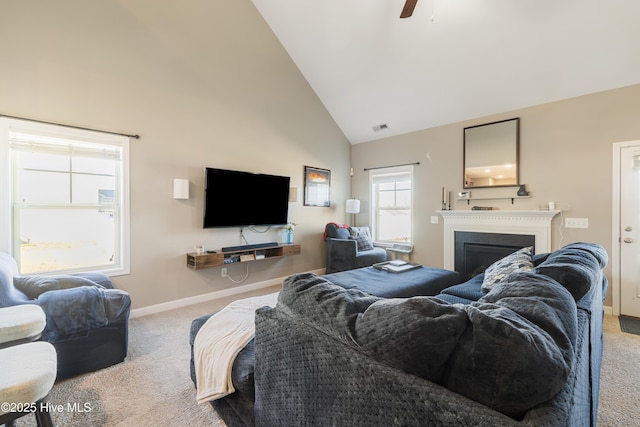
x=529 y=222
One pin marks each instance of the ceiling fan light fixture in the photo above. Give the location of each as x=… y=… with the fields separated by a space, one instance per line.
x=407 y=10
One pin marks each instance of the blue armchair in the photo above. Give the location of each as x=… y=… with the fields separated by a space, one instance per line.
x=86 y=318
x=349 y=248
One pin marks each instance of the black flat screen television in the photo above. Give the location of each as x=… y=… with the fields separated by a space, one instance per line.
x=237 y=199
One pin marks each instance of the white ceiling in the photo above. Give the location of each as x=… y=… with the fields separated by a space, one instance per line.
x=453 y=60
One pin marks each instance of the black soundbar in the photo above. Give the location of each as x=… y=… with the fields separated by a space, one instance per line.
x=249 y=247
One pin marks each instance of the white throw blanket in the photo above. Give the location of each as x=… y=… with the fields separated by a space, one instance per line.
x=220 y=340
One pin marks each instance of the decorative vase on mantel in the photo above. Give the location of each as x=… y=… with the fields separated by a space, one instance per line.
x=522 y=191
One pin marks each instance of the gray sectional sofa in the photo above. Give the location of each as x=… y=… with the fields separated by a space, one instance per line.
x=237 y=408
x=527 y=352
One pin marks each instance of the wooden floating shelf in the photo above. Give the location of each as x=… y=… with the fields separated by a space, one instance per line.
x=493 y=198
x=219 y=258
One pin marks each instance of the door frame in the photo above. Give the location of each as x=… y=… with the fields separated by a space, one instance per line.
x=615 y=224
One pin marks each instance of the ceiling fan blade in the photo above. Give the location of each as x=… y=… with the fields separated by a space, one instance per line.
x=407 y=10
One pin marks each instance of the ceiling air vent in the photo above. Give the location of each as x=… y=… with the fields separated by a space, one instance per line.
x=378 y=128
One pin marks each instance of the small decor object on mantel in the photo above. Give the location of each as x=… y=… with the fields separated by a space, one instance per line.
x=446 y=199
x=522 y=191
x=482 y=208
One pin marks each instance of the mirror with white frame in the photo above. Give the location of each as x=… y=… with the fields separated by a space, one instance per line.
x=491 y=154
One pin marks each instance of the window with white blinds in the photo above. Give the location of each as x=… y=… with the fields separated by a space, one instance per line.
x=392 y=204
x=64 y=198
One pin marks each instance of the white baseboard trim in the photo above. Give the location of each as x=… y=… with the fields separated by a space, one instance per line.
x=184 y=302
x=608 y=310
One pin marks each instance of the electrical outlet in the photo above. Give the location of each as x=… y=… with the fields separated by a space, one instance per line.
x=223 y=272
x=576 y=222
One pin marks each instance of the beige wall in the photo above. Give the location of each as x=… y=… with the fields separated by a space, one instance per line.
x=565 y=156
x=208 y=84
x=204 y=84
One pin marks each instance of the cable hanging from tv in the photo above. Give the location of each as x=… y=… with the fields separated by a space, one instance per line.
x=255 y=230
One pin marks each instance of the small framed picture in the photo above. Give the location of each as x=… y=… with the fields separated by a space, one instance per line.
x=317 y=183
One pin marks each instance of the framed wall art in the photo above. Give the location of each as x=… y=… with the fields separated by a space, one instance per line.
x=317 y=183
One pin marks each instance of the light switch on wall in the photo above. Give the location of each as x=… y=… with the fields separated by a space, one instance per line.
x=434 y=219
x=576 y=222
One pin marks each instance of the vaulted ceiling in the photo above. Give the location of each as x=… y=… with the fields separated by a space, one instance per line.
x=453 y=60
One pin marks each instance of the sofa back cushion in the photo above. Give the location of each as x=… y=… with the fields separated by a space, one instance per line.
x=336 y=231
x=519 y=348
x=331 y=308
x=576 y=266
x=34 y=286
x=415 y=334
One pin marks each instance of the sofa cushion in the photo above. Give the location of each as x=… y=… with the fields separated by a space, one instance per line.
x=73 y=312
x=242 y=370
x=34 y=286
x=416 y=334
x=518 y=351
x=336 y=231
x=596 y=250
x=576 y=266
x=363 y=238
x=423 y=281
x=515 y=262
x=471 y=290
x=332 y=308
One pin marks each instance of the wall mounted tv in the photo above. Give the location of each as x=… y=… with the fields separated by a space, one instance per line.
x=237 y=199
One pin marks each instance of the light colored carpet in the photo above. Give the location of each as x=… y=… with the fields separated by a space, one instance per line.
x=152 y=387
x=619 y=377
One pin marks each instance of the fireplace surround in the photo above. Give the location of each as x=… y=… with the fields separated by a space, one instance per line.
x=532 y=223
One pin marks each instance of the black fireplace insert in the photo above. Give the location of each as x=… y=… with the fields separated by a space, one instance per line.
x=474 y=251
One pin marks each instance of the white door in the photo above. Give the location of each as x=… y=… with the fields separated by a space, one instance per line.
x=629 y=233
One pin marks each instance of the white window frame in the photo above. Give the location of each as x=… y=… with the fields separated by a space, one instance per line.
x=8 y=125
x=376 y=174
